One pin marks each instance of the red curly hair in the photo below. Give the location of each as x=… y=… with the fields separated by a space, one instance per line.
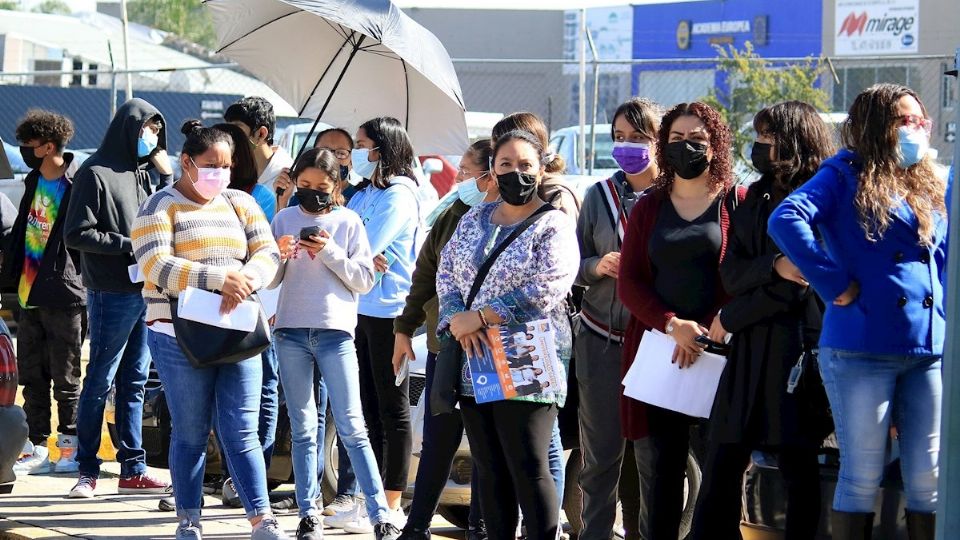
x=721 y=171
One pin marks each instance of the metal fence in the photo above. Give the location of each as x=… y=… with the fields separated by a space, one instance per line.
x=550 y=88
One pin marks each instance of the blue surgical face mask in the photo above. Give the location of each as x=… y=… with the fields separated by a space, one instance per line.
x=914 y=144
x=360 y=158
x=147 y=143
x=469 y=193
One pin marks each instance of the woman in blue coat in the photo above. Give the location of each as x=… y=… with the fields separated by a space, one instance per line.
x=869 y=234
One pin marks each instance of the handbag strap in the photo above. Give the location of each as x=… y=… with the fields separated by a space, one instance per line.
x=488 y=264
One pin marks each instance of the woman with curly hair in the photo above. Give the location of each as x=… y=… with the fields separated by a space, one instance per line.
x=669 y=281
x=775 y=318
x=869 y=233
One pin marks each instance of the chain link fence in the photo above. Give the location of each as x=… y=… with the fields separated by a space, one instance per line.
x=549 y=88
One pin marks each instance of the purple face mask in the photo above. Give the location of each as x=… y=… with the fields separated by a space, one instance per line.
x=633 y=158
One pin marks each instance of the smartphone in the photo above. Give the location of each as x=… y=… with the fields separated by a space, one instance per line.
x=403 y=371
x=307 y=232
x=712 y=346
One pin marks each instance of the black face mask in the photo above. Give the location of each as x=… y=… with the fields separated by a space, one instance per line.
x=344 y=173
x=517 y=188
x=313 y=201
x=688 y=158
x=760 y=157
x=30 y=158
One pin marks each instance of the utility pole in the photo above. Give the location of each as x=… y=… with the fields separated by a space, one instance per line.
x=126 y=48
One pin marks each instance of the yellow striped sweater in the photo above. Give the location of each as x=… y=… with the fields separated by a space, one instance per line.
x=179 y=243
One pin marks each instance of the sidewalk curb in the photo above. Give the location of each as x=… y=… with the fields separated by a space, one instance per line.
x=14 y=530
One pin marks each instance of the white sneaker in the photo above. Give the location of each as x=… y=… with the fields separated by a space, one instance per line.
x=397 y=518
x=353 y=516
x=68 y=455
x=36 y=462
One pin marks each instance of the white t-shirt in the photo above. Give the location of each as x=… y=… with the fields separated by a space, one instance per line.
x=280 y=160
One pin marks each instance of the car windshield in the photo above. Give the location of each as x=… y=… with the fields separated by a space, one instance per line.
x=603 y=154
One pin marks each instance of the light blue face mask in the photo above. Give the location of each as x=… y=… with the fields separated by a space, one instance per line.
x=360 y=157
x=147 y=143
x=914 y=144
x=469 y=193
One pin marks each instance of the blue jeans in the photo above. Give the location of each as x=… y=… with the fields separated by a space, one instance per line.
x=118 y=357
x=346 y=479
x=333 y=351
x=232 y=391
x=555 y=457
x=866 y=393
x=269 y=408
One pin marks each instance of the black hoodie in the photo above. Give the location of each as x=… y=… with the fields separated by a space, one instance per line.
x=107 y=191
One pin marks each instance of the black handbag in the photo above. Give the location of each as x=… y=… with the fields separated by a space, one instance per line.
x=205 y=345
x=446 y=374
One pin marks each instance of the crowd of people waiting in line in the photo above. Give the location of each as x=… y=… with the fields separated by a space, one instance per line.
x=833 y=257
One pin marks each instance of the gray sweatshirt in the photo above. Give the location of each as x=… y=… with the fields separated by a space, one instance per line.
x=323 y=292
x=597 y=237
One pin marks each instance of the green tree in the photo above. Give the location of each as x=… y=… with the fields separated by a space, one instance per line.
x=10 y=5
x=185 y=18
x=54 y=7
x=754 y=83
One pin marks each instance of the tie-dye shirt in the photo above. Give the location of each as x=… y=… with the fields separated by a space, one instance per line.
x=43 y=213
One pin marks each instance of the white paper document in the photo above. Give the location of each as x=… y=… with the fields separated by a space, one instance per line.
x=270 y=299
x=654 y=379
x=204 y=307
x=135 y=273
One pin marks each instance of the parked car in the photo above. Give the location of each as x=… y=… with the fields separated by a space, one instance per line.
x=765 y=506
x=13 y=421
x=566 y=143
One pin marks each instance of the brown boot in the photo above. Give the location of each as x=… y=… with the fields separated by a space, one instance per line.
x=921 y=526
x=851 y=525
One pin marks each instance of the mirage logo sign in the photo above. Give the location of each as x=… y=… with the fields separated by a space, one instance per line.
x=876 y=27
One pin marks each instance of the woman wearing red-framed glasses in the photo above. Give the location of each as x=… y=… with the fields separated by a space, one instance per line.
x=869 y=233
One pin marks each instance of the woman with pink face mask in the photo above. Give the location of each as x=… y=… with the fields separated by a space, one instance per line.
x=197 y=233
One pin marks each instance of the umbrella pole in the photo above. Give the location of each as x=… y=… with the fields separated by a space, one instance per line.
x=346 y=66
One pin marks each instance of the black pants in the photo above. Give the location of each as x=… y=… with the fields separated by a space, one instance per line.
x=718 y=509
x=669 y=446
x=441 y=439
x=386 y=406
x=48 y=350
x=509 y=441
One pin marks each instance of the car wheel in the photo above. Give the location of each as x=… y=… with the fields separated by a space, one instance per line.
x=691 y=491
x=457 y=515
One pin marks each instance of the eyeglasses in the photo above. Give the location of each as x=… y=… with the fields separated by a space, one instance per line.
x=916 y=123
x=467 y=173
x=339 y=153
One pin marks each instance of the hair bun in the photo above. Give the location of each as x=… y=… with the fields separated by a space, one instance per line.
x=190 y=126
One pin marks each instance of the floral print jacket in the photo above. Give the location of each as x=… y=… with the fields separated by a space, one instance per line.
x=529 y=281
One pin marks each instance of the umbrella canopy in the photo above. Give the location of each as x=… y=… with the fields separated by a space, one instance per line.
x=346 y=61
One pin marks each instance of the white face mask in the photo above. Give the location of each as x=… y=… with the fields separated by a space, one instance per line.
x=360 y=157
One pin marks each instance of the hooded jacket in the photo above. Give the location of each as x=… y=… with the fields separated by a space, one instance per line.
x=107 y=191
x=58 y=282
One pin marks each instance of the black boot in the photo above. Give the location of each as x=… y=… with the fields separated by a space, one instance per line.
x=851 y=525
x=921 y=526
x=411 y=533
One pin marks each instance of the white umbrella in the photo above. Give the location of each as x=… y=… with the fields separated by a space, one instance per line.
x=346 y=61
